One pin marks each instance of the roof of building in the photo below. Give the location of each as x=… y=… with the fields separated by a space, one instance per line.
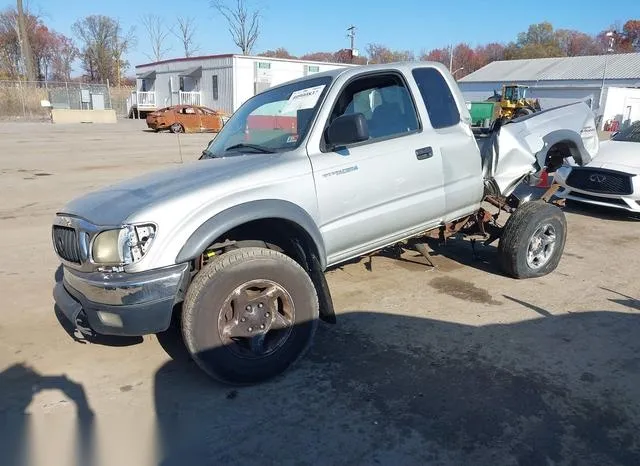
x=618 y=66
x=228 y=55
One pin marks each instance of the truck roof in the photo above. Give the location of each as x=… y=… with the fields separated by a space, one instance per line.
x=405 y=67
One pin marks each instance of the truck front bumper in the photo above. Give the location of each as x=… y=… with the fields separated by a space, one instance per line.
x=130 y=304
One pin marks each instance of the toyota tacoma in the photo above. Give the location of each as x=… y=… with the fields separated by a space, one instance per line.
x=304 y=176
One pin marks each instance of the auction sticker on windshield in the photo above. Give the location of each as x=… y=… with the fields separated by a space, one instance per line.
x=304 y=98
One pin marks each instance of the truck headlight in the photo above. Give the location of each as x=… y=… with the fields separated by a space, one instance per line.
x=123 y=246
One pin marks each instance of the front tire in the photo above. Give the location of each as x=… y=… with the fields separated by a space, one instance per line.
x=249 y=315
x=176 y=128
x=532 y=240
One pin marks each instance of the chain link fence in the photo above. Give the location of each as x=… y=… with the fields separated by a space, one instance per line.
x=27 y=100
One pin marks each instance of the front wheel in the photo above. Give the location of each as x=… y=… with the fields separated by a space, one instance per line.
x=176 y=128
x=249 y=315
x=532 y=240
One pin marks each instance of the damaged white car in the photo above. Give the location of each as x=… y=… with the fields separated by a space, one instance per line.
x=612 y=179
x=303 y=177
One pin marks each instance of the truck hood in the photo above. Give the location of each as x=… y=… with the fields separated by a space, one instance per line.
x=112 y=205
x=519 y=148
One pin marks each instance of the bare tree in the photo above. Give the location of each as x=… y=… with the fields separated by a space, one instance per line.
x=157 y=34
x=104 y=45
x=185 y=31
x=244 y=24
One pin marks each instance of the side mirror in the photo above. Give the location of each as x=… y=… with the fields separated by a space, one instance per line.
x=347 y=129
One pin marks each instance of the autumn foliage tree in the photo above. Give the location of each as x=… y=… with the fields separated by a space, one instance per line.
x=280 y=52
x=53 y=53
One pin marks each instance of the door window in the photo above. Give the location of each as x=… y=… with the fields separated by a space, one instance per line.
x=385 y=103
x=441 y=106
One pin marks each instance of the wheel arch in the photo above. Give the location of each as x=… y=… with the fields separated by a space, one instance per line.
x=564 y=143
x=284 y=213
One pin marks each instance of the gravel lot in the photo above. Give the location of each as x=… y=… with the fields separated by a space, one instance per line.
x=452 y=365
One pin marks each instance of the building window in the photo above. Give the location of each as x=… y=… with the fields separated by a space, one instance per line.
x=214 y=79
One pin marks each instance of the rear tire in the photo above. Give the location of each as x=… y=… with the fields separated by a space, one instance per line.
x=532 y=240
x=232 y=288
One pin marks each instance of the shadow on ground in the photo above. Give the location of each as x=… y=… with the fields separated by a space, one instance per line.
x=19 y=384
x=390 y=389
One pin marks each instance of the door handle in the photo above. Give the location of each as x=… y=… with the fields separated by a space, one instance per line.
x=424 y=153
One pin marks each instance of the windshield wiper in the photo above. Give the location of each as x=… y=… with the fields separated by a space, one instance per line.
x=256 y=147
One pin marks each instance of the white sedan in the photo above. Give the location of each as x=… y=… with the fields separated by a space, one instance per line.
x=612 y=178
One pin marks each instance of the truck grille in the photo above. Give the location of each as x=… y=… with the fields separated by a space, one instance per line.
x=600 y=181
x=66 y=243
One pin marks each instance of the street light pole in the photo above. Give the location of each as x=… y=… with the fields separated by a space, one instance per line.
x=611 y=36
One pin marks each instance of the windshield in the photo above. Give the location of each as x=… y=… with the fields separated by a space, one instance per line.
x=629 y=134
x=273 y=121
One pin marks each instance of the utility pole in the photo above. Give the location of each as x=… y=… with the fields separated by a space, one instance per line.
x=351 y=34
x=450 y=58
x=25 y=46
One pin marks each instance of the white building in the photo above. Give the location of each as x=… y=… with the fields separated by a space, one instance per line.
x=220 y=82
x=610 y=84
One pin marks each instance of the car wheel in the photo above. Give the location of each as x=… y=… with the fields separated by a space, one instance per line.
x=176 y=128
x=532 y=240
x=249 y=315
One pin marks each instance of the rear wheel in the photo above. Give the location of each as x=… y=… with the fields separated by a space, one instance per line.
x=249 y=315
x=533 y=240
x=176 y=128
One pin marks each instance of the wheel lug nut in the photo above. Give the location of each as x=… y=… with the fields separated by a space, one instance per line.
x=262 y=326
x=243 y=319
x=250 y=329
x=260 y=305
x=248 y=308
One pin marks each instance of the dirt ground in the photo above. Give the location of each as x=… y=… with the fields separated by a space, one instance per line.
x=452 y=365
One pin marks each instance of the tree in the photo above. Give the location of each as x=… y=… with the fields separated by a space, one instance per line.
x=47 y=46
x=437 y=55
x=632 y=30
x=66 y=54
x=157 y=34
x=244 y=24
x=539 y=41
x=104 y=45
x=486 y=54
x=382 y=54
x=318 y=56
x=345 y=56
x=280 y=52
x=576 y=43
x=185 y=31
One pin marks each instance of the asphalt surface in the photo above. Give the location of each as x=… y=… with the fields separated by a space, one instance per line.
x=450 y=365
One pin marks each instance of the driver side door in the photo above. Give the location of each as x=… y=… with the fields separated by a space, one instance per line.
x=386 y=188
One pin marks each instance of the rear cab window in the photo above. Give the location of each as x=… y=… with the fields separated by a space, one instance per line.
x=441 y=105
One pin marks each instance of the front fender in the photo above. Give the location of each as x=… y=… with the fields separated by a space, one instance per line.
x=240 y=214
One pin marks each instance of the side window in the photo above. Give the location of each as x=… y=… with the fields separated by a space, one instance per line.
x=214 y=82
x=385 y=103
x=441 y=106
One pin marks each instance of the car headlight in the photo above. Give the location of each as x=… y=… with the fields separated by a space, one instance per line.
x=123 y=246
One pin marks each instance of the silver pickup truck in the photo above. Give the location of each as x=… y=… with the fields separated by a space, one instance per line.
x=304 y=176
